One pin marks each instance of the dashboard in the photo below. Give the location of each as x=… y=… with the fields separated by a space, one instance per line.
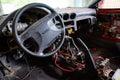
x=71 y=17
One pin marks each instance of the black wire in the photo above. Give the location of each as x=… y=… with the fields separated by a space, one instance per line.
x=89 y=53
x=2 y=68
x=89 y=62
x=27 y=62
x=114 y=57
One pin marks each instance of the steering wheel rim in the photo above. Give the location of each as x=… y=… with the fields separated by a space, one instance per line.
x=39 y=33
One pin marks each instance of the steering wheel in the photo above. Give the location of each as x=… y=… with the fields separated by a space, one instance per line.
x=44 y=31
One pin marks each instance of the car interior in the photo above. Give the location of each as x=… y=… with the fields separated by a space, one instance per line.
x=38 y=42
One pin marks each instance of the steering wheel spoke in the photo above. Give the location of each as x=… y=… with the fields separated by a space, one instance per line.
x=23 y=37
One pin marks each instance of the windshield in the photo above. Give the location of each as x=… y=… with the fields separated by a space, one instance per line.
x=7 y=6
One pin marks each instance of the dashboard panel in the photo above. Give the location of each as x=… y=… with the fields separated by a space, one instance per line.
x=70 y=16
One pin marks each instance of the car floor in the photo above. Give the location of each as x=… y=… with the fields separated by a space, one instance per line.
x=37 y=69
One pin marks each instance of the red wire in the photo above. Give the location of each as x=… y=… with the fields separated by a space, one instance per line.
x=98 y=57
x=67 y=70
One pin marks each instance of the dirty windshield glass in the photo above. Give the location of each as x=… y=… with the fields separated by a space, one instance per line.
x=7 y=6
